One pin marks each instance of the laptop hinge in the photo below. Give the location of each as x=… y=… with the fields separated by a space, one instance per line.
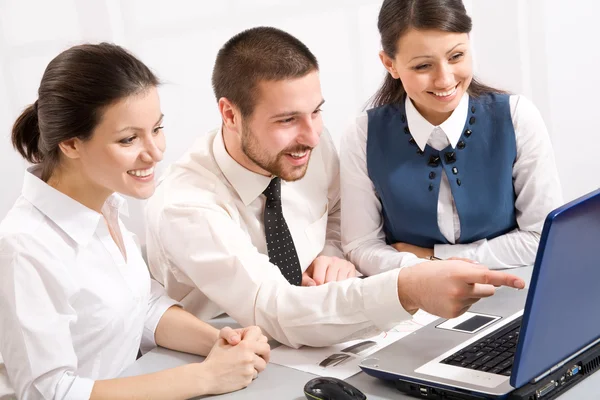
x=560 y=364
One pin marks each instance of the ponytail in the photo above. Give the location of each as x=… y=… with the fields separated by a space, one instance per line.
x=390 y=92
x=26 y=135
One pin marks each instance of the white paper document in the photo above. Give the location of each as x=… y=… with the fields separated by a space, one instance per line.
x=341 y=360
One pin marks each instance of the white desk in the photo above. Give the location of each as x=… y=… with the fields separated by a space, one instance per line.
x=278 y=382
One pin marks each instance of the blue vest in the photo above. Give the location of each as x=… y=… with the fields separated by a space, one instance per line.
x=407 y=180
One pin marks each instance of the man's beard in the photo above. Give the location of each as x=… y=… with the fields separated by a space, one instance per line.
x=275 y=165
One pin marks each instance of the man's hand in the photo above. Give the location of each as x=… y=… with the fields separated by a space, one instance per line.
x=448 y=288
x=420 y=252
x=327 y=269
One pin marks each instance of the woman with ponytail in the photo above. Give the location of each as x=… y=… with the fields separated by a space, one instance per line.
x=76 y=300
x=442 y=166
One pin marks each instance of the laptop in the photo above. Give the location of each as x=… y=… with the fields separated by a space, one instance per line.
x=528 y=344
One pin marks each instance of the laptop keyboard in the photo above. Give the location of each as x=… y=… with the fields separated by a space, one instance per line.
x=494 y=353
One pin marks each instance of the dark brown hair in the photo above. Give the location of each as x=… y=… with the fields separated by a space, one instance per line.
x=257 y=54
x=76 y=87
x=398 y=16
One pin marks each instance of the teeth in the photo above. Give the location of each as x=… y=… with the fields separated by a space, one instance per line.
x=298 y=155
x=141 y=172
x=444 y=94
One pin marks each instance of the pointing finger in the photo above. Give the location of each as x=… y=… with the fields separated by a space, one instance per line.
x=496 y=278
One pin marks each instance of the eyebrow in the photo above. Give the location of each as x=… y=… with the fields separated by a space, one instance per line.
x=133 y=128
x=448 y=52
x=294 y=113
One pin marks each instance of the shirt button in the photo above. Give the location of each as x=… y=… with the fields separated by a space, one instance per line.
x=450 y=157
x=434 y=161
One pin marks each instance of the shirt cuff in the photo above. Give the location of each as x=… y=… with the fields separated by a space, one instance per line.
x=332 y=251
x=445 y=251
x=153 y=317
x=381 y=302
x=71 y=387
x=413 y=261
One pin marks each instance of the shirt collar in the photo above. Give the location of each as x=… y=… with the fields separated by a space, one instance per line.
x=75 y=219
x=248 y=185
x=421 y=129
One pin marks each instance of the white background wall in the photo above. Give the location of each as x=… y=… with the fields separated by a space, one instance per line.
x=547 y=50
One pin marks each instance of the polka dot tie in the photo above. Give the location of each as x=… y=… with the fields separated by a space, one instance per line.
x=280 y=244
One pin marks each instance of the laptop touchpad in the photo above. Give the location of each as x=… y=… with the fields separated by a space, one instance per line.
x=469 y=322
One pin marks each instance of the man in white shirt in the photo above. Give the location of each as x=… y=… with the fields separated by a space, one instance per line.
x=241 y=220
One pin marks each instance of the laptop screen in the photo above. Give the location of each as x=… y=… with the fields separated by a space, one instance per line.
x=561 y=312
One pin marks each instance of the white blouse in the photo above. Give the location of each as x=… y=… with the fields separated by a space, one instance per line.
x=535 y=180
x=73 y=309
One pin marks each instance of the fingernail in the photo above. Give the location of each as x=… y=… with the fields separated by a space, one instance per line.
x=311 y=283
x=519 y=284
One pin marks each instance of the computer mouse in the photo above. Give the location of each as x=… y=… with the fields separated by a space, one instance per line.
x=327 y=388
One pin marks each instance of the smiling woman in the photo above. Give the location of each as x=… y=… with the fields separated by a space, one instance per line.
x=76 y=299
x=121 y=154
x=401 y=22
x=94 y=134
x=442 y=166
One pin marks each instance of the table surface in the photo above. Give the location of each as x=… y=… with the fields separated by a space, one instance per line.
x=279 y=382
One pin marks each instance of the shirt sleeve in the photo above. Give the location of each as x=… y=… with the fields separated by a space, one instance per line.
x=158 y=304
x=363 y=238
x=35 y=315
x=204 y=242
x=333 y=245
x=538 y=191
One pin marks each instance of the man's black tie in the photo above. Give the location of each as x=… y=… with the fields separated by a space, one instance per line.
x=280 y=244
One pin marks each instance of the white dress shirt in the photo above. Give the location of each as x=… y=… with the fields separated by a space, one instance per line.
x=73 y=309
x=206 y=244
x=535 y=181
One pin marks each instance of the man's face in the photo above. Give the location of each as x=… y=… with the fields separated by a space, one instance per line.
x=285 y=126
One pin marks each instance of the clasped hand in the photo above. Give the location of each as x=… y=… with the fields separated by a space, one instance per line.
x=237 y=358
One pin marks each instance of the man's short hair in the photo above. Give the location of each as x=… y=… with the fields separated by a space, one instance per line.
x=254 y=55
